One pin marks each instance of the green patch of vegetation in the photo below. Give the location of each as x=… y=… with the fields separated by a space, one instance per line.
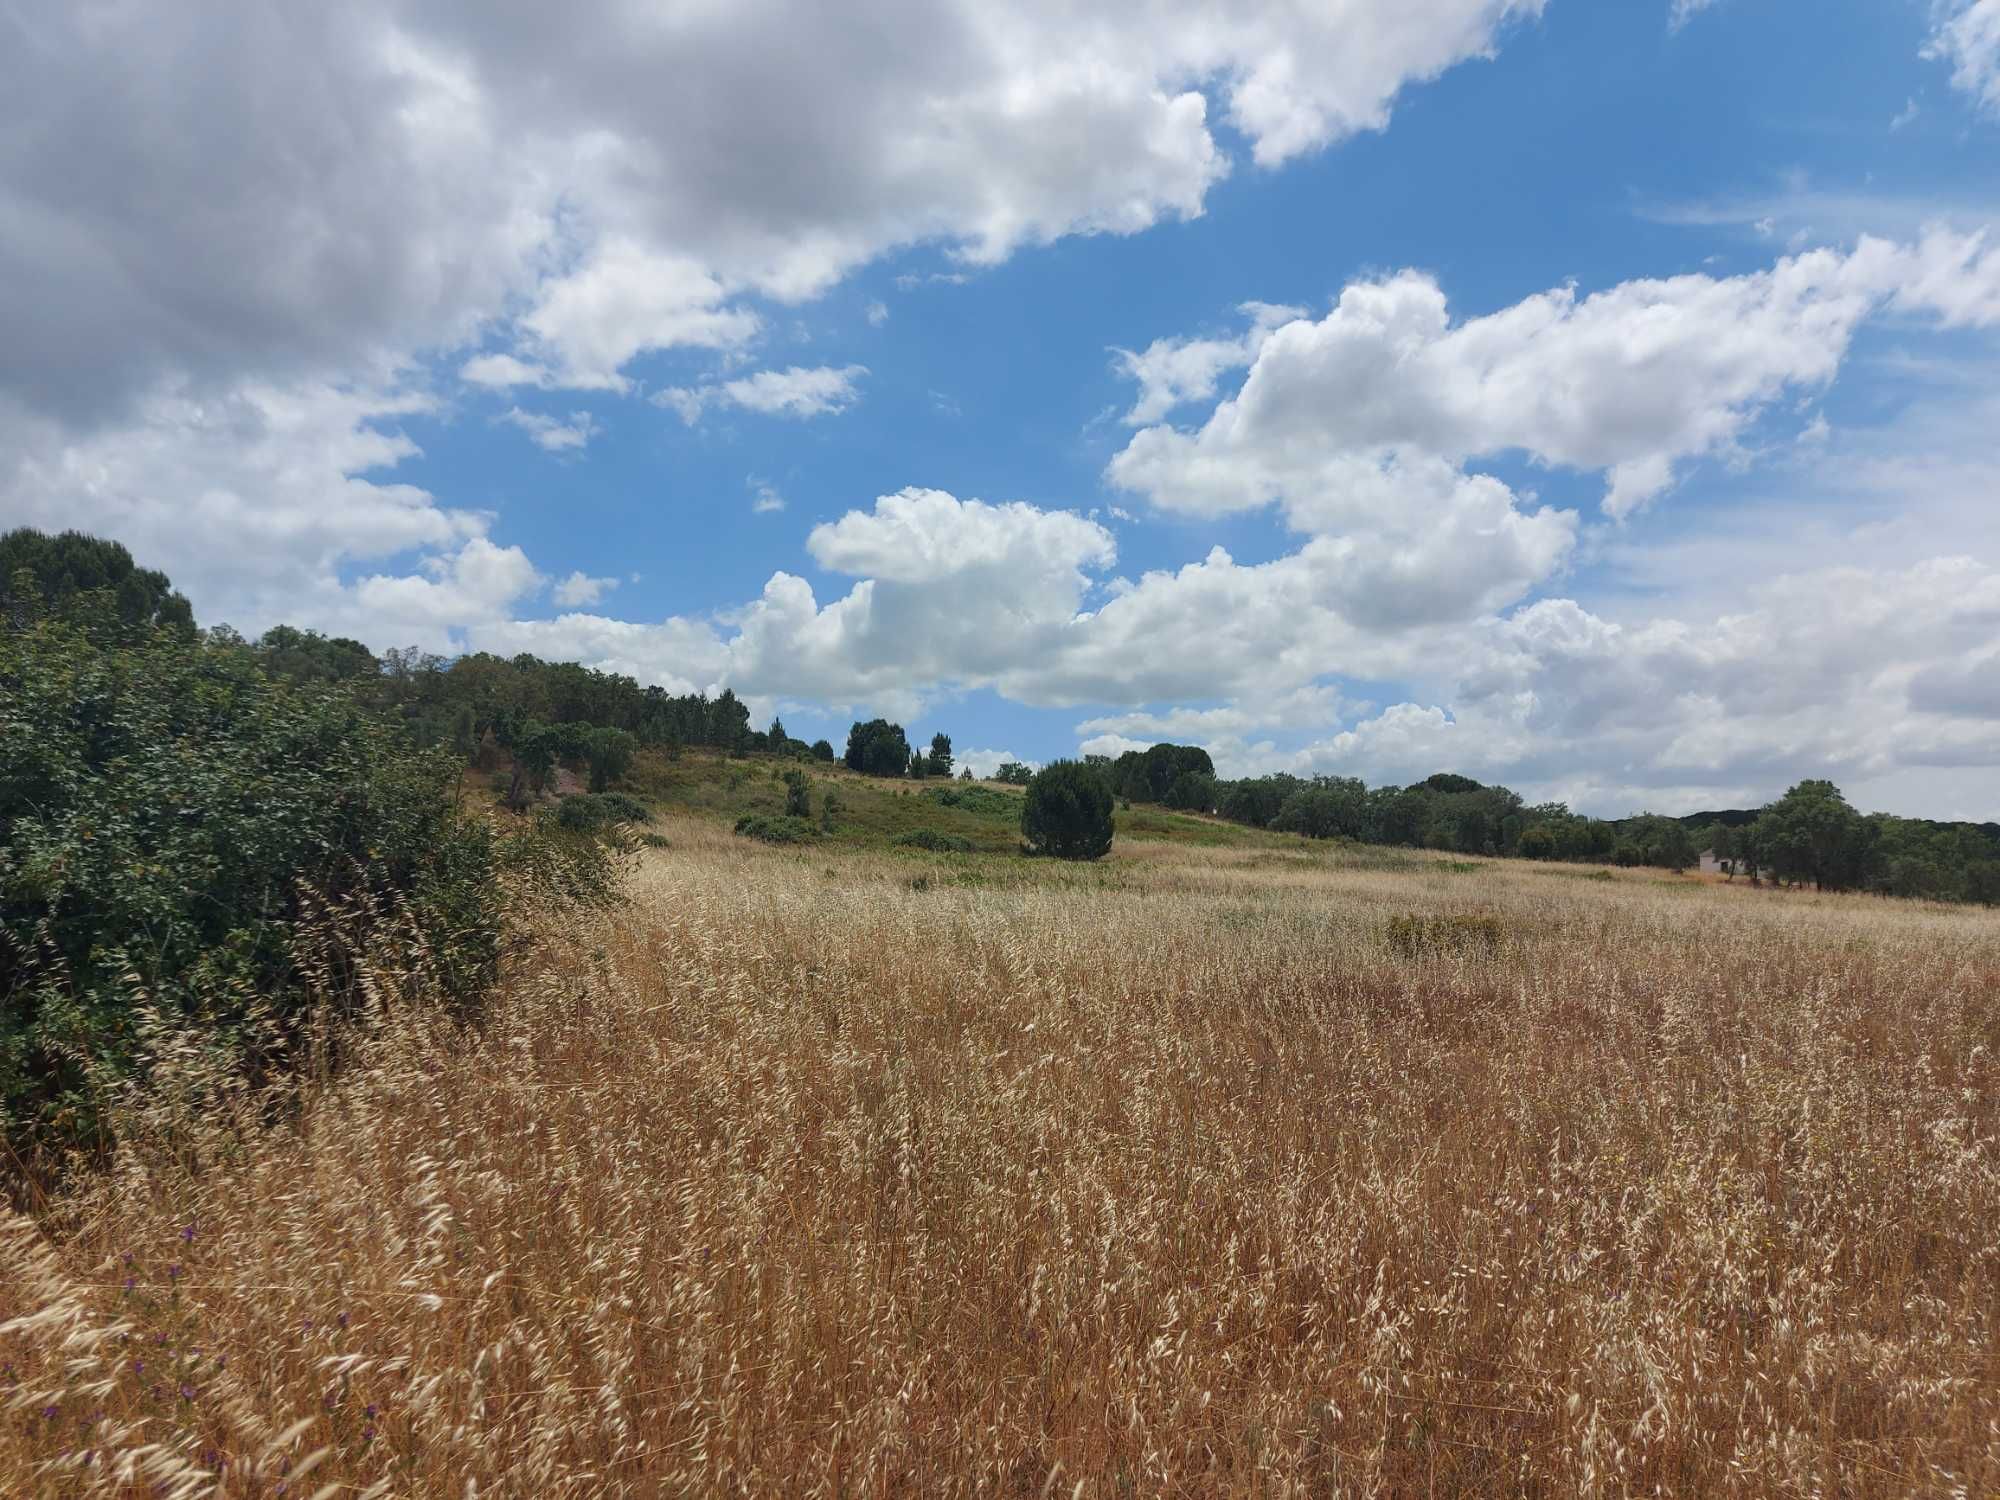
x=981 y=801
x=779 y=829
x=931 y=839
x=1415 y=936
x=590 y=812
x=198 y=855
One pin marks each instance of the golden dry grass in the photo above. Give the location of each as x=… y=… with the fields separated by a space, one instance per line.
x=1167 y=1177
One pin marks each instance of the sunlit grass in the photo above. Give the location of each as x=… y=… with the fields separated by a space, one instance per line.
x=1168 y=1176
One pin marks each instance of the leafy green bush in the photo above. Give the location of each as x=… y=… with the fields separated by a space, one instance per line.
x=980 y=800
x=1067 y=812
x=187 y=839
x=587 y=812
x=777 y=830
x=937 y=843
x=1416 y=936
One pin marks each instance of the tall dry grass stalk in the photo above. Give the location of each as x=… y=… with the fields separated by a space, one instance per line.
x=1172 y=1178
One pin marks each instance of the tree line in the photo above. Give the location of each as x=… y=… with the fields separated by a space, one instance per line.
x=1809 y=836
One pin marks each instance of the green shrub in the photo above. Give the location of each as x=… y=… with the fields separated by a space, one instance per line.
x=777 y=830
x=937 y=843
x=798 y=795
x=1067 y=812
x=656 y=841
x=980 y=800
x=588 y=812
x=1415 y=936
x=190 y=846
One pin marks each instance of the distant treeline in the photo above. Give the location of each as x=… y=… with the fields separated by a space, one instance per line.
x=1810 y=836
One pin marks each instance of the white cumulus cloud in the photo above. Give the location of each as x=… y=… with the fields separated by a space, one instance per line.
x=796 y=392
x=1630 y=381
x=1967 y=36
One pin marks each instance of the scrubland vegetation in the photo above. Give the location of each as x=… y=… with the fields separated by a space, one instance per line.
x=1193 y=1171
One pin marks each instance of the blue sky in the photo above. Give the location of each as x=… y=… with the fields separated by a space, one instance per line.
x=1609 y=415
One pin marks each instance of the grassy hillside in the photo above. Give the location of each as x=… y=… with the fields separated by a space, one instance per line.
x=873 y=812
x=1232 y=1171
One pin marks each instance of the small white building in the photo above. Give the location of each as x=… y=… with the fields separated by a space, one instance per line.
x=1710 y=865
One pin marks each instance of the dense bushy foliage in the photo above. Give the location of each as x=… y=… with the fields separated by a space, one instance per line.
x=588 y=812
x=39 y=572
x=783 y=829
x=488 y=693
x=1811 y=835
x=1150 y=775
x=1014 y=773
x=878 y=748
x=976 y=799
x=173 y=822
x=1067 y=812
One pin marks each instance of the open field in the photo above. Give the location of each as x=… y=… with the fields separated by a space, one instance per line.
x=842 y=1172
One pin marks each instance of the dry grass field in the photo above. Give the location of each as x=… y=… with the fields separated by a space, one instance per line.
x=838 y=1173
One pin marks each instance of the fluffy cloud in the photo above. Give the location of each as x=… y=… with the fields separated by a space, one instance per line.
x=253 y=502
x=951 y=593
x=218 y=192
x=1967 y=36
x=985 y=763
x=1673 y=711
x=794 y=392
x=232 y=238
x=1174 y=371
x=1628 y=381
x=580 y=588
x=478 y=584
x=552 y=434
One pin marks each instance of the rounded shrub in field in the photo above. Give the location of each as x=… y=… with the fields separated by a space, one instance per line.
x=587 y=812
x=1067 y=812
